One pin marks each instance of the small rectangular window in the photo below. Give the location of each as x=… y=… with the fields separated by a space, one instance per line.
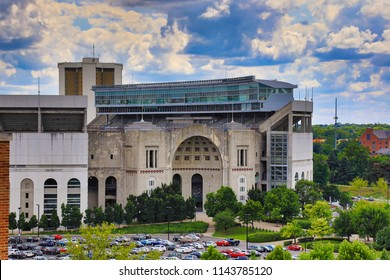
x=197 y=157
x=186 y=157
x=91 y=156
x=112 y=156
x=26 y=204
x=207 y=158
x=26 y=195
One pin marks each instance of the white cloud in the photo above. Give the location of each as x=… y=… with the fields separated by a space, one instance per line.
x=372 y=8
x=221 y=8
x=349 y=37
x=6 y=69
x=382 y=46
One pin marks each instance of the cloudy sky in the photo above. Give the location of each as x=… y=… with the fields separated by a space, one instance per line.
x=333 y=48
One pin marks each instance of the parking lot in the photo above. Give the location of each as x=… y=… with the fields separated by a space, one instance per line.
x=188 y=247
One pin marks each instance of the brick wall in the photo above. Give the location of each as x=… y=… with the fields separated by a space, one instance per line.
x=4 y=194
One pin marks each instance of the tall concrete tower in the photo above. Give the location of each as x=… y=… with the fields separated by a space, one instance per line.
x=77 y=78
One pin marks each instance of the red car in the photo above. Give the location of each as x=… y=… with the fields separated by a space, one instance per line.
x=222 y=243
x=57 y=237
x=233 y=253
x=294 y=247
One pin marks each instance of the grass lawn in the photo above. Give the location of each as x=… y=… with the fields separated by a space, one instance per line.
x=236 y=233
x=174 y=227
x=366 y=192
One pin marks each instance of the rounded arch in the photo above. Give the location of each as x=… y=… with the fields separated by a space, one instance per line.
x=73 y=196
x=296 y=176
x=197 y=191
x=110 y=190
x=27 y=197
x=49 y=196
x=93 y=192
x=303 y=175
x=151 y=185
x=177 y=181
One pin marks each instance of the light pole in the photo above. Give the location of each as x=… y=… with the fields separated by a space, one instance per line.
x=247 y=222
x=168 y=217
x=38 y=220
x=19 y=224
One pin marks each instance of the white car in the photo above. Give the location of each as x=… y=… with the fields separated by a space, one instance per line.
x=210 y=243
x=160 y=248
x=198 y=245
x=183 y=250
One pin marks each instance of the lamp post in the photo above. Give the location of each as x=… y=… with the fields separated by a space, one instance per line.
x=19 y=224
x=38 y=220
x=168 y=217
x=247 y=222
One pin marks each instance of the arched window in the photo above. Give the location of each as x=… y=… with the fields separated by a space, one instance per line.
x=27 y=198
x=296 y=176
x=93 y=192
x=303 y=175
x=151 y=185
x=49 y=197
x=73 y=198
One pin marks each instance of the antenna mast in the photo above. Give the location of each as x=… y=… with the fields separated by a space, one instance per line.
x=335 y=125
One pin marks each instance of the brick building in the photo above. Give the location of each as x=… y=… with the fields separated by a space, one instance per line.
x=4 y=193
x=375 y=140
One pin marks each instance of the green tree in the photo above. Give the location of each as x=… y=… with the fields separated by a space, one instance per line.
x=224 y=198
x=358 y=156
x=251 y=211
x=370 y=218
x=320 y=251
x=119 y=214
x=98 y=214
x=33 y=222
x=321 y=171
x=343 y=225
x=88 y=218
x=21 y=221
x=355 y=251
x=75 y=217
x=96 y=245
x=344 y=173
x=256 y=195
x=308 y=192
x=12 y=223
x=130 y=210
x=54 y=219
x=190 y=208
x=285 y=199
x=292 y=230
x=358 y=184
x=319 y=209
x=224 y=220
x=330 y=193
x=345 y=200
x=212 y=254
x=43 y=222
x=333 y=163
x=383 y=237
x=109 y=214
x=65 y=214
x=279 y=254
x=385 y=255
x=320 y=227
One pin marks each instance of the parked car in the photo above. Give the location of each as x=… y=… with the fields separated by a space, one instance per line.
x=39 y=258
x=249 y=252
x=17 y=255
x=190 y=257
x=209 y=243
x=160 y=248
x=32 y=239
x=139 y=237
x=57 y=237
x=183 y=250
x=258 y=248
x=15 y=240
x=197 y=245
x=232 y=241
x=294 y=247
x=222 y=243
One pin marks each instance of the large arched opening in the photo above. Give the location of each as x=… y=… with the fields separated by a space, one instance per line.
x=111 y=189
x=197 y=168
x=93 y=192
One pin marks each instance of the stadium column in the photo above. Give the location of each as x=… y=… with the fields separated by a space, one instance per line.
x=5 y=139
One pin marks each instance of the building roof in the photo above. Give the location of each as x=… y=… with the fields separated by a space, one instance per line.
x=276 y=84
x=383 y=151
x=382 y=134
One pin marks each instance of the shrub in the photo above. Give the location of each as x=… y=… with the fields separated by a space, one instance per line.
x=305 y=224
x=259 y=237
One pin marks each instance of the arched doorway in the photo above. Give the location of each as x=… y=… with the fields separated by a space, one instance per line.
x=197 y=191
x=110 y=188
x=176 y=180
x=49 y=197
x=197 y=166
x=93 y=192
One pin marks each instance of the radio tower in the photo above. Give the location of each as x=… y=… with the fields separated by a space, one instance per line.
x=335 y=125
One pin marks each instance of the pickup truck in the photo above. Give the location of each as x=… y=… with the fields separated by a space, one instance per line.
x=232 y=241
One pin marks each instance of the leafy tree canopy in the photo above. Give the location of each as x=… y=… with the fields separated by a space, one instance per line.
x=224 y=198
